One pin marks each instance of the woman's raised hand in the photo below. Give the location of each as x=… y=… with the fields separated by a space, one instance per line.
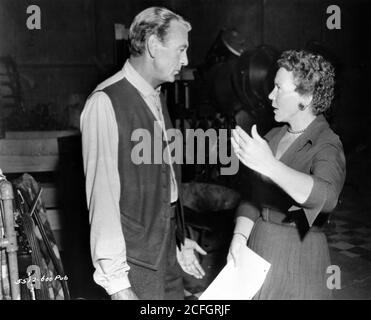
x=253 y=151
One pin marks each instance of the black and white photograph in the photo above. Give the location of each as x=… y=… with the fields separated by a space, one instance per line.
x=204 y=151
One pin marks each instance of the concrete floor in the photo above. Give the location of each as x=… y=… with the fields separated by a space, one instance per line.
x=350 y=249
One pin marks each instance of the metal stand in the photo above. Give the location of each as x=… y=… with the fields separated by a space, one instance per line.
x=9 y=242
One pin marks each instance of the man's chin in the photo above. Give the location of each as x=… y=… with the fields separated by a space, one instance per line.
x=170 y=79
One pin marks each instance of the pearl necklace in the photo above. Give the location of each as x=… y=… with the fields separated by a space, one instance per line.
x=295 y=132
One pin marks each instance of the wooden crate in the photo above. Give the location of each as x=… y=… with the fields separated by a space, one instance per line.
x=34 y=152
x=49 y=197
x=31 y=151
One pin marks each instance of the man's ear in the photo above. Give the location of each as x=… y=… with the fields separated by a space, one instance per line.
x=152 y=44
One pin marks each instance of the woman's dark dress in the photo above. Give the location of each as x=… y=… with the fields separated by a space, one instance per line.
x=292 y=238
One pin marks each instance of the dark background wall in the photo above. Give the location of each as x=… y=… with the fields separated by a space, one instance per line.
x=60 y=64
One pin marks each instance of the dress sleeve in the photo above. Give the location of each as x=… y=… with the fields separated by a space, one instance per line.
x=249 y=210
x=328 y=173
x=100 y=155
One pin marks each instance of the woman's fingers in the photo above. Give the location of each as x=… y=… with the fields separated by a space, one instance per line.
x=245 y=137
x=234 y=253
x=240 y=153
x=232 y=256
x=229 y=256
x=242 y=142
x=235 y=145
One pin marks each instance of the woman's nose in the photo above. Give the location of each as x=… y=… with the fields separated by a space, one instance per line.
x=272 y=94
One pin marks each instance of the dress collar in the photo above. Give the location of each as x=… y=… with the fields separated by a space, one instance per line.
x=313 y=130
x=310 y=135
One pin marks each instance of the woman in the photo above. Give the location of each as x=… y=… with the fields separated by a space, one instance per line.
x=300 y=171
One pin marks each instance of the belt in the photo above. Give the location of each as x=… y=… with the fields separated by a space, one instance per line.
x=288 y=219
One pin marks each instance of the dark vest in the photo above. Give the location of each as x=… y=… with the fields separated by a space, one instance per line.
x=145 y=188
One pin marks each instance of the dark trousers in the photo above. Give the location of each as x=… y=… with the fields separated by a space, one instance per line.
x=166 y=283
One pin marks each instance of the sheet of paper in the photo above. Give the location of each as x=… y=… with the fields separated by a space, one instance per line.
x=239 y=283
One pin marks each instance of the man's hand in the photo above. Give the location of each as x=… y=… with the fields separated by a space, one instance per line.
x=188 y=260
x=237 y=243
x=126 y=294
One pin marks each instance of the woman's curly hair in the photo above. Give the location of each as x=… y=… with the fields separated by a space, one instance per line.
x=313 y=75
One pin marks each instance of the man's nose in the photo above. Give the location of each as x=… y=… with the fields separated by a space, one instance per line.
x=184 y=59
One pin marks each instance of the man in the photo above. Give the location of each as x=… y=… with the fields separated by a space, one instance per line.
x=134 y=209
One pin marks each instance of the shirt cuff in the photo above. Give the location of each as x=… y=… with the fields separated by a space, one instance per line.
x=113 y=284
x=316 y=200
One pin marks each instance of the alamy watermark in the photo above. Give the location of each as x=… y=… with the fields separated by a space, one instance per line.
x=334 y=20
x=33 y=21
x=334 y=280
x=180 y=147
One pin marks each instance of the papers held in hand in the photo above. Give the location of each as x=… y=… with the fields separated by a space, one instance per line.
x=241 y=282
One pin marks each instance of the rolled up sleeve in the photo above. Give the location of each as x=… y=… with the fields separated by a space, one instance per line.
x=328 y=173
x=100 y=148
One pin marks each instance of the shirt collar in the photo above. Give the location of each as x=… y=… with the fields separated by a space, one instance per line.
x=144 y=88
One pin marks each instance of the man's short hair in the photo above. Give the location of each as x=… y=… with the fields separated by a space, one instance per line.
x=151 y=21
